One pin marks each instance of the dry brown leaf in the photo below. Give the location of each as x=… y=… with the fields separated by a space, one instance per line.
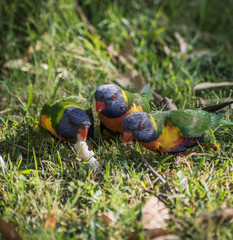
x=28 y=54
x=19 y=64
x=166 y=237
x=51 y=221
x=207 y=85
x=163 y=237
x=200 y=53
x=182 y=43
x=155 y=215
x=9 y=231
x=131 y=77
x=24 y=66
x=166 y=49
x=218 y=215
x=110 y=49
x=107 y=217
x=128 y=50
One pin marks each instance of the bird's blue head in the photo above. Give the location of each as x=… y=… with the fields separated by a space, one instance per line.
x=73 y=121
x=111 y=101
x=138 y=125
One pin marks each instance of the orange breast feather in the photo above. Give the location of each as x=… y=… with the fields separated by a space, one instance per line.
x=115 y=124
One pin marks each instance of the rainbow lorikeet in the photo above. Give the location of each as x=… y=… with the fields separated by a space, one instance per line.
x=174 y=131
x=66 y=117
x=113 y=104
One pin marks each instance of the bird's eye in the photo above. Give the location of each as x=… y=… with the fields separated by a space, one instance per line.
x=113 y=97
x=71 y=121
x=141 y=127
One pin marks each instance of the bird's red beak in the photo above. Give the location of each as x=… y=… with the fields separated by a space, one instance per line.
x=127 y=137
x=83 y=132
x=100 y=106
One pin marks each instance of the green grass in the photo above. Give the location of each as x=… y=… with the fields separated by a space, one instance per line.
x=71 y=59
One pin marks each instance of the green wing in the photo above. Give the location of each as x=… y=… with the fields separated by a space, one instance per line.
x=193 y=123
x=138 y=100
x=55 y=108
x=146 y=91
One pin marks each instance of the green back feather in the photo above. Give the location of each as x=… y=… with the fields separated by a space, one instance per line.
x=138 y=100
x=191 y=123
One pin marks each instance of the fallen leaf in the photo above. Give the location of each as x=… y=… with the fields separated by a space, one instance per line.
x=24 y=66
x=30 y=50
x=128 y=50
x=130 y=78
x=218 y=215
x=182 y=43
x=155 y=215
x=166 y=49
x=107 y=217
x=9 y=231
x=110 y=49
x=207 y=85
x=51 y=221
x=167 y=237
x=200 y=53
x=19 y=64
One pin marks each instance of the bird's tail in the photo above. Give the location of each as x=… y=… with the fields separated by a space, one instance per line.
x=217 y=107
x=225 y=124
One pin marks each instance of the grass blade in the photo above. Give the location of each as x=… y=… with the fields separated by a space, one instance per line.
x=30 y=98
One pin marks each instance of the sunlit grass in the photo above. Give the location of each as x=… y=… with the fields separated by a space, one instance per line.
x=63 y=57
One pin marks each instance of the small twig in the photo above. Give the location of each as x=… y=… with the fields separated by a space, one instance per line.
x=217 y=216
x=25 y=149
x=201 y=101
x=84 y=18
x=159 y=194
x=156 y=174
x=167 y=101
x=158 y=97
x=169 y=104
x=69 y=161
x=6 y=110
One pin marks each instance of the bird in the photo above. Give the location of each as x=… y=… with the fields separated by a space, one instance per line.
x=113 y=104
x=66 y=117
x=174 y=131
